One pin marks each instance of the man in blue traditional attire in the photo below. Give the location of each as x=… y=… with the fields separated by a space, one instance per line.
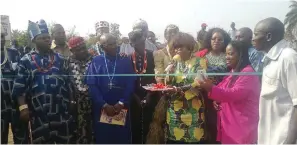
x=110 y=93
x=9 y=59
x=42 y=91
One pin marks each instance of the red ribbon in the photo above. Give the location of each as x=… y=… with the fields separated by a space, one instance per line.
x=159 y=86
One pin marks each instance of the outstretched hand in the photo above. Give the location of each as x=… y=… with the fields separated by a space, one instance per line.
x=206 y=84
x=170 y=91
x=216 y=105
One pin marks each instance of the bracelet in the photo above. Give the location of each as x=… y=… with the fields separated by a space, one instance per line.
x=104 y=105
x=73 y=102
x=175 y=88
x=22 y=107
x=121 y=103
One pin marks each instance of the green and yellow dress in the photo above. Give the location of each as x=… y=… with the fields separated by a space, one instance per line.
x=180 y=116
x=185 y=112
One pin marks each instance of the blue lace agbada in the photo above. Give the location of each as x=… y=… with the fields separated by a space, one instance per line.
x=8 y=108
x=47 y=95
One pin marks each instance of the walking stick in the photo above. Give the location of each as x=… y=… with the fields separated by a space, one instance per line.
x=142 y=137
x=30 y=133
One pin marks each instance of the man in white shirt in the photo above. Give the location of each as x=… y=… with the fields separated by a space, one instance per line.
x=278 y=101
x=232 y=32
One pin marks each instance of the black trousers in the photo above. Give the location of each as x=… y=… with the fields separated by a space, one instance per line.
x=4 y=130
x=16 y=127
x=141 y=119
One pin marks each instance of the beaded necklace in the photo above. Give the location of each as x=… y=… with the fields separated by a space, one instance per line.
x=110 y=84
x=216 y=60
x=144 y=63
x=79 y=70
x=41 y=69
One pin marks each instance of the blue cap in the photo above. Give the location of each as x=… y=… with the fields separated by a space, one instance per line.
x=42 y=26
x=35 y=29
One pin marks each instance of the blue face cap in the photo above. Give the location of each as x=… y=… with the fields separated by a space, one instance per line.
x=38 y=28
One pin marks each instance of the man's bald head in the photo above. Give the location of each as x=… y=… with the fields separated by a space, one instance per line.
x=57 y=27
x=267 y=33
x=105 y=38
x=245 y=35
x=273 y=26
x=108 y=43
x=232 y=25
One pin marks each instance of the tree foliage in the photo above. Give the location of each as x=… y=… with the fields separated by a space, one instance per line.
x=22 y=37
x=115 y=30
x=50 y=26
x=91 y=40
x=71 y=33
x=291 y=22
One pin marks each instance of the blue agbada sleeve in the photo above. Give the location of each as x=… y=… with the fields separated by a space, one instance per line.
x=129 y=82
x=92 y=82
x=22 y=79
x=255 y=59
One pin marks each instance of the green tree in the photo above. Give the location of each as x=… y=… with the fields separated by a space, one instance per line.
x=71 y=33
x=92 y=39
x=115 y=30
x=291 y=22
x=50 y=26
x=21 y=36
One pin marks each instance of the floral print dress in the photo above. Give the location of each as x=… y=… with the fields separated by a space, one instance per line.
x=185 y=119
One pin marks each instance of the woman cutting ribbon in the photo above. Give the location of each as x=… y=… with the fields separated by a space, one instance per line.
x=179 y=116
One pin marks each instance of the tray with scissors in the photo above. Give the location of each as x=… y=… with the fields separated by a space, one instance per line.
x=157 y=87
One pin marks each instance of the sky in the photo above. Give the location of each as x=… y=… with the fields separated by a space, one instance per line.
x=187 y=14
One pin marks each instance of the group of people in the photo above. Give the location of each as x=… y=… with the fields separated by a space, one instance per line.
x=62 y=92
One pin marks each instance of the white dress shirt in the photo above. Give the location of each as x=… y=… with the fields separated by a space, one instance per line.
x=278 y=95
x=232 y=34
x=128 y=49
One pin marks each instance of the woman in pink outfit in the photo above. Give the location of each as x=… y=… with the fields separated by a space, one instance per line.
x=237 y=98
